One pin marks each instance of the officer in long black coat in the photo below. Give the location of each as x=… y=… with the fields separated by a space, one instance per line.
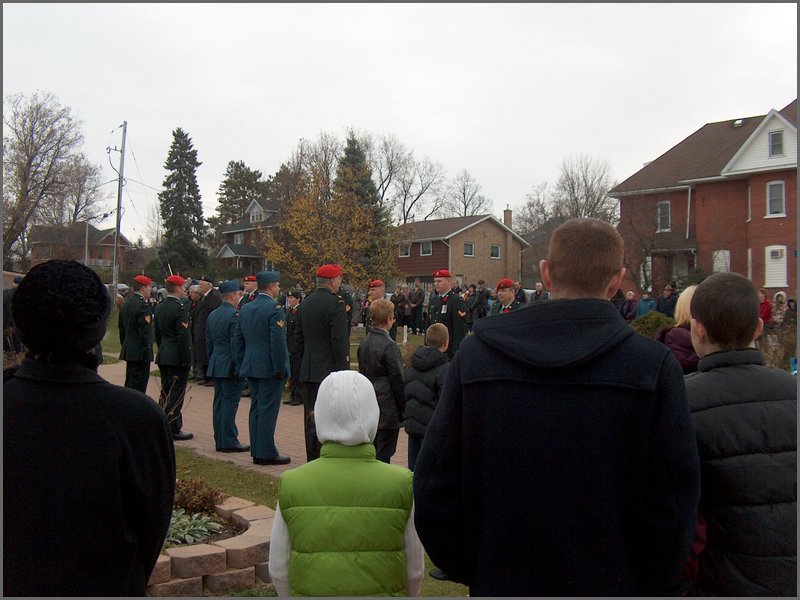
x=449 y=309
x=210 y=299
x=323 y=341
x=174 y=358
x=136 y=334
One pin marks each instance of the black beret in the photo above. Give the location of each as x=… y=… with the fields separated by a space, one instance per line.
x=61 y=307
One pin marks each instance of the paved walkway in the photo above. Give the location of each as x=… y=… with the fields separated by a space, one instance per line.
x=289 y=437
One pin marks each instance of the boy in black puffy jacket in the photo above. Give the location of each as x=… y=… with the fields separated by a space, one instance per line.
x=423 y=385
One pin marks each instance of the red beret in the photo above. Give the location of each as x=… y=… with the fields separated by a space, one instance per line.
x=375 y=283
x=143 y=279
x=505 y=283
x=442 y=273
x=249 y=278
x=176 y=279
x=329 y=271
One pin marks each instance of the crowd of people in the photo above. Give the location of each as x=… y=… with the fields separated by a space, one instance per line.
x=536 y=465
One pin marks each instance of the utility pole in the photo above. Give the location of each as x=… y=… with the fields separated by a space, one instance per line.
x=114 y=280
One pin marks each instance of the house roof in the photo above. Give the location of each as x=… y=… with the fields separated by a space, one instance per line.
x=239 y=250
x=702 y=155
x=74 y=234
x=443 y=229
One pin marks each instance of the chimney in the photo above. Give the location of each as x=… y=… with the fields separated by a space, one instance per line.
x=507 y=217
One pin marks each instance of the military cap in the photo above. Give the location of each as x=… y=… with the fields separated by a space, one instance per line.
x=226 y=287
x=505 y=283
x=265 y=277
x=249 y=278
x=442 y=273
x=375 y=283
x=143 y=280
x=295 y=294
x=329 y=271
x=176 y=279
x=207 y=279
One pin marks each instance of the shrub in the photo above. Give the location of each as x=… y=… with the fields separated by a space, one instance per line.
x=196 y=496
x=186 y=529
x=651 y=324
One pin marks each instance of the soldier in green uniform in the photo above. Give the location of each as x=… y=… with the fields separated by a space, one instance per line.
x=348 y=306
x=506 y=297
x=449 y=309
x=174 y=358
x=250 y=290
x=323 y=341
x=293 y=300
x=136 y=334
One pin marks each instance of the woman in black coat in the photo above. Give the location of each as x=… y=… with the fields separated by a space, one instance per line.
x=88 y=467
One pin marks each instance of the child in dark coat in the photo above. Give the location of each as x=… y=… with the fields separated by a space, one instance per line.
x=423 y=386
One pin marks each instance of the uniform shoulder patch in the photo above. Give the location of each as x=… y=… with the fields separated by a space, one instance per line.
x=462 y=313
x=279 y=323
x=147 y=319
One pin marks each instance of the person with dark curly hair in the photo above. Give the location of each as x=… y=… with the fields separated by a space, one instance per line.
x=88 y=467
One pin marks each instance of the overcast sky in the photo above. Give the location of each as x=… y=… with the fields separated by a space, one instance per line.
x=505 y=91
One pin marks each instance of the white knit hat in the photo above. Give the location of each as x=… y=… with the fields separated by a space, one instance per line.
x=346 y=410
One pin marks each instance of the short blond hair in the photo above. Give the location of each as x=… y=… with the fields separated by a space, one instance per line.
x=436 y=336
x=380 y=310
x=683 y=315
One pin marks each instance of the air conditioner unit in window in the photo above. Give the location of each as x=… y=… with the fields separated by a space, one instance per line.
x=776 y=253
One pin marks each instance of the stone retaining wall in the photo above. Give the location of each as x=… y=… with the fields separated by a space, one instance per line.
x=229 y=564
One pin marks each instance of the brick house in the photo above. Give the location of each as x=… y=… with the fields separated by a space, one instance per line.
x=723 y=199
x=82 y=242
x=242 y=246
x=471 y=248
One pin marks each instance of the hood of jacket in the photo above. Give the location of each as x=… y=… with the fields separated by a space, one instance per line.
x=553 y=334
x=427 y=358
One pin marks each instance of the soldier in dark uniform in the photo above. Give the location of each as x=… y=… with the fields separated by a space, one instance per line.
x=323 y=341
x=348 y=306
x=449 y=309
x=506 y=297
x=250 y=290
x=377 y=291
x=293 y=299
x=222 y=368
x=174 y=358
x=210 y=299
x=262 y=355
x=136 y=334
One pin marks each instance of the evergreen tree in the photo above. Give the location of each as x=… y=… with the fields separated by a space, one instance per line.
x=240 y=186
x=354 y=185
x=181 y=209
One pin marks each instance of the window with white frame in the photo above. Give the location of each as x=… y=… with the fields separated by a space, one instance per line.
x=425 y=248
x=776 y=200
x=776 y=143
x=664 y=216
x=494 y=251
x=775 y=266
x=645 y=274
x=469 y=249
x=750 y=263
x=238 y=239
x=722 y=261
x=749 y=205
x=405 y=250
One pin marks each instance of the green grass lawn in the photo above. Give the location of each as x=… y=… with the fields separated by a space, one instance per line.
x=262 y=489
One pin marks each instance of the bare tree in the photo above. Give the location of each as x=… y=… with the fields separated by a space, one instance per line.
x=321 y=158
x=154 y=228
x=582 y=190
x=389 y=159
x=465 y=198
x=39 y=140
x=536 y=211
x=80 y=197
x=419 y=188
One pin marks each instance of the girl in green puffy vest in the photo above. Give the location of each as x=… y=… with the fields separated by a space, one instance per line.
x=344 y=523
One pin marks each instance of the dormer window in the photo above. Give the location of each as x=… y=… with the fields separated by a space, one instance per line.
x=776 y=143
x=256 y=216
